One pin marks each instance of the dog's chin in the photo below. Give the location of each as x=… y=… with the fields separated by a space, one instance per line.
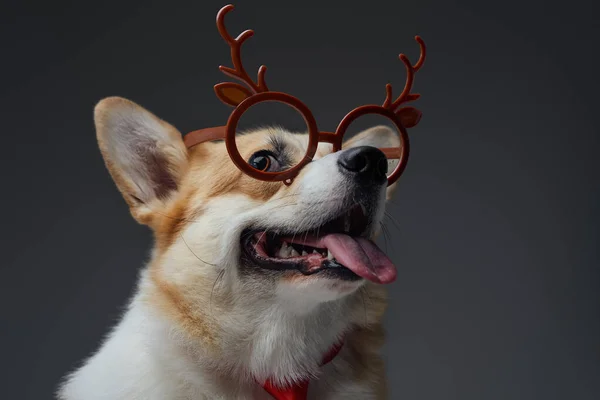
x=318 y=255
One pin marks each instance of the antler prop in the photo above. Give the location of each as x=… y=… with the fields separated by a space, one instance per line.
x=234 y=93
x=409 y=115
x=247 y=93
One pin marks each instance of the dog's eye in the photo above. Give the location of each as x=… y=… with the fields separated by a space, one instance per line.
x=264 y=160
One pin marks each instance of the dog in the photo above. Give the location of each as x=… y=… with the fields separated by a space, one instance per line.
x=208 y=320
x=257 y=287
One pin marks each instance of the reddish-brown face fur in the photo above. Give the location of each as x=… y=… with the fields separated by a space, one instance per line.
x=211 y=174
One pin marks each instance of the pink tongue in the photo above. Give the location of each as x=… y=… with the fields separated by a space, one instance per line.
x=361 y=256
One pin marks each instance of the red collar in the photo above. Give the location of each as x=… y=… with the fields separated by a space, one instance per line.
x=298 y=391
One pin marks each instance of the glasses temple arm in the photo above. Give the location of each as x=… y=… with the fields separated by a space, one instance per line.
x=391 y=152
x=204 y=135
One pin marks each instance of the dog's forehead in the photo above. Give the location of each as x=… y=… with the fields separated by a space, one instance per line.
x=301 y=142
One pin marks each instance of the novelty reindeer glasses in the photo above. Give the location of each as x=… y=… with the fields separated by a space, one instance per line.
x=243 y=97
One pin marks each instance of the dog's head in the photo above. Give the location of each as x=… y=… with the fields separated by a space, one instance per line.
x=307 y=242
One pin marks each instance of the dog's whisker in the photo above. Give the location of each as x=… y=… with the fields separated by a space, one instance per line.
x=385 y=238
x=362 y=296
x=259 y=239
x=312 y=203
x=192 y=251
x=219 y=276
x=391 y=218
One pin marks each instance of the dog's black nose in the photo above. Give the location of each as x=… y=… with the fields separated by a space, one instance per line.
x=365 y=163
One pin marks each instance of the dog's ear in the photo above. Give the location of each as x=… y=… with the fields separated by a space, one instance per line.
x=145 y=156
x=377 y=136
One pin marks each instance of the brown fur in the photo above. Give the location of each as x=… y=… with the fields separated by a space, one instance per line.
x=168 y=299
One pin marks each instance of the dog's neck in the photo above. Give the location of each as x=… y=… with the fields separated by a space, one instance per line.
x=279 y=340
x=255 y=338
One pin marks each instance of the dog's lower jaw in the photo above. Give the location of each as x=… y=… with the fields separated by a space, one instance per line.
x=304 y=295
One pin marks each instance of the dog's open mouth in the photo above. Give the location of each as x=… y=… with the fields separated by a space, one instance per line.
x=335 y=248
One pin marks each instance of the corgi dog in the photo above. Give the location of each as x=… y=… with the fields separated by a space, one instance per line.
x=257 y=287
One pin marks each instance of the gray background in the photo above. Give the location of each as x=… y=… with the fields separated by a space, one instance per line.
x=498 y=211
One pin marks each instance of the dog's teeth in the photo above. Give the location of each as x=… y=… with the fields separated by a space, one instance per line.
x=304 y=253
x=315 y=251
x=329 y=255
x=284 y=251
x=293 y=252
